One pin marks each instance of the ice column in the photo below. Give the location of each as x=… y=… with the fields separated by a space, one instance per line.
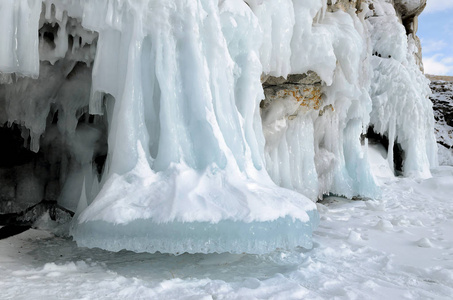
x=19 y=22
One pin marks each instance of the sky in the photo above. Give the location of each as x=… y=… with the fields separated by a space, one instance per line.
x=435 y=29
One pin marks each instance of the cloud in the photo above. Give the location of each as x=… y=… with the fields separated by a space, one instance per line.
x=430 y=46
x=438 y=65
x=438 y=5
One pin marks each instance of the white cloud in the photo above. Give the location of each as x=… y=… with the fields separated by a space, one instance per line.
x=430 y=46
x=438 y=5
x=448 y=60
x=438 y=65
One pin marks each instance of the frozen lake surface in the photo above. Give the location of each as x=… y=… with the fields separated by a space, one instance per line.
x=397 y=247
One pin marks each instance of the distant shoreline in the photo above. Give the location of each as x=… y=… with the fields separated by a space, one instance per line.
x=439 y=77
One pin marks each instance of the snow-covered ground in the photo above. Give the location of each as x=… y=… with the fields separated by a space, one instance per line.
x=396 y=247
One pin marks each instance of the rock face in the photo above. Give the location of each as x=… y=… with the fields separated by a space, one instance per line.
x=439 y=78
x=442 y=98
x=305 y=89
x=305 y=94
x=409 y=10
x=344 y=5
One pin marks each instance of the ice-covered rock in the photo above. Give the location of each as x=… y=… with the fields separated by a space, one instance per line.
x=409 y=8
x=345 y=5
x=442 y=98
x=400 y=107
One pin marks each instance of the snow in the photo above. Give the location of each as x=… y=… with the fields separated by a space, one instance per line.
x=382 y=172
x=399 y=246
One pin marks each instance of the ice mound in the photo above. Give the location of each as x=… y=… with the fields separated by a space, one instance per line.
x=182 y=210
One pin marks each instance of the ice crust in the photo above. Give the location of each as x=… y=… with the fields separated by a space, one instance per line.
x=193 y=165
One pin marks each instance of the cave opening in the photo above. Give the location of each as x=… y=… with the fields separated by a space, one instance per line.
x=22 y=171
x=13 y=151
x=50 y=143
x=48 y=33
x=398 y=152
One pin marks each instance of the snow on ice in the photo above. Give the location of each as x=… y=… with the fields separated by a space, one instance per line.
x=397 y=247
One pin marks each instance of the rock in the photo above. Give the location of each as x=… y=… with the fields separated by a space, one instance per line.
x=442 y=99
x=30 y=215
x=439 y=78
x=309 y=78
x=418 y=54
x=309 y=96
x=409 y=9
x=302 y=88
x=344 y=5
x=409 y=12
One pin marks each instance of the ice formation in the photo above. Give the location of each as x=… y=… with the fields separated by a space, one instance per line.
x=399 y=92
x=202 y=125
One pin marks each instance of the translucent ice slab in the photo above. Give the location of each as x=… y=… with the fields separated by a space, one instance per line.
x=199 y=237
